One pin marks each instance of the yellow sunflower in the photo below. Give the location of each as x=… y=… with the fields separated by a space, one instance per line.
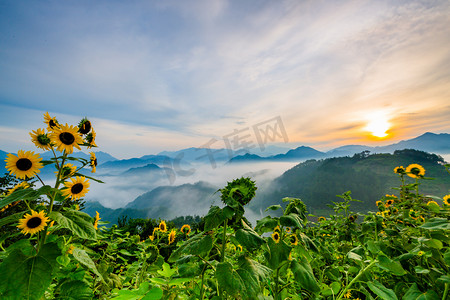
x=84 y=126
x=93 y=162
x=389 y=202
x=52 y=123
x=151 y=237
x=90 y=139
x=25 y=164
x=187 y=227
x=65 y=137
x=22 y=185
x=379 y=203
x=399 y=170
x=239 y=248
x=172 y=236
x=293 y=239
x=162 y=226
x=68 y=170
x=321 y=219
x=415 y=171
x=40 y=138
x=77 y=188
x=446 y=199
x=276 y=237
x=433 y=203
x=33 y=223
x=414 y=214
x=277 y=228
x=97 y=218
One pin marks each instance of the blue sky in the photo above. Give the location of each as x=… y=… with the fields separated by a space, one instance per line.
x=166 y=75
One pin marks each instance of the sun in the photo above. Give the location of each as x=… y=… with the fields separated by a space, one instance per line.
x=378 y=125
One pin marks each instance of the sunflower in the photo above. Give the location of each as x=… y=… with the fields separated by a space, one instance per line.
x=187 y=227
x=162 y=226
x=399 y=170
x=293 y=239
x=413 y=214
x=352 y=218
x=321 y=219
x=93 y=162
x=277 y=229
x=172 y=236
x=90 y=139
x=70 y=249
x=389 y=202
x=432 y=203
x=68 y=170
x=288 y=229
x=84 y=126
x=25 y=164
x=415 y=171
x=97 y=218
x=276 y=236
x=77 y=188
x=65 y=137
x=239 y=248
x=379 y=203
x=446 y=199
x=420 y=253
x=22 y=185
x=33 y=223
x=52 y=123
x=40 y=138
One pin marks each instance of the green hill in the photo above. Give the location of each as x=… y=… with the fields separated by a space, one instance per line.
x=367 y=176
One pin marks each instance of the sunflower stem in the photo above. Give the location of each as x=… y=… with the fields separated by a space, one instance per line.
x=224 y=240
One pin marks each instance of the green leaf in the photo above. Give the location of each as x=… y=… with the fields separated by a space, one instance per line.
x=249 y=239
x=217 y=216
x=331 y=290
x=433 y=243
x=228 y=279
x=436 y=224
x=414 y=293
x=266 y=224
x=277 y=254
x=82 y=257
x=304 y=275
x=388 y=264
x=154 y=294
x=381 y=291
x=78 y=222
x=291 y=220
x=74 y=290
x=166 y=271
x=274 y=207
x=12 y=218
x=24 y=277
x=25 y=194
x=199 y=244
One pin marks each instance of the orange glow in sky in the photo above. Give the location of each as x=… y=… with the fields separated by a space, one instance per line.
x=378 y=125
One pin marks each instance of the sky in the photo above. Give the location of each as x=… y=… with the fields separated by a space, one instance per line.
x=167 y=75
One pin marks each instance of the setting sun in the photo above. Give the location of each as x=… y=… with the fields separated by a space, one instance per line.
x=378 y=125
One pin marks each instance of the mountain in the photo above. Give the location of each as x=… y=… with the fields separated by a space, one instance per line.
x=368 y=177
x=297 y=154
x=348 y=150
x=165 y=202
x=429 y=142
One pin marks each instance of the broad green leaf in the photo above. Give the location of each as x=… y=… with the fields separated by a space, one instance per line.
x=388 y=264
x=304 y=275
x=75 y=290
x=82 y=257
x=199 y=244
x=381 y=291
x=167 y=271
x=433 y=243
x=179 y=281
x=354 y=256
x=154 y=294
x=217 y=216
x=228 y=279
x=436 y=224
x=414 y=293
x=421 y=270
x=274 y=207
x=14 y=218
x=24 y=277
x=249 y=239
x=277 y=254
x=291 y=220
x=331 y=290
x=25 y=194
x=266 y=224
x=79 y=223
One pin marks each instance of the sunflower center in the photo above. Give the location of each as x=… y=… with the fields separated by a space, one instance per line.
x=85 y=127
x=52 y=123
x=24 y=164
x=43 y=139
x=34 y=222
x=76 y=188
x=67 y=138
x=415 y=171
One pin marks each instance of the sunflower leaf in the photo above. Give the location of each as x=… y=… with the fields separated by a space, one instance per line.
x=79 y=223
x=25 y=194
x=86 y=260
